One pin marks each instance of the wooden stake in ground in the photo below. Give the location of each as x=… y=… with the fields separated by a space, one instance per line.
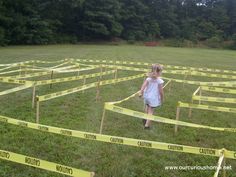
x=20 y=71
x=100 y=72
x=190 y=110
x=103 y=117
x=115 y=75
x=98 y=91
x=37 y=110
x=224 y=165
x=33 y=97
x=78 y=70
x=170 y=86
x=84 y=82
x=185 y=77
x=200 y=94
x=51 y=78
x=177 y=118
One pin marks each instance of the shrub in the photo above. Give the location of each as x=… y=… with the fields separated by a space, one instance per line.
x=214 y=42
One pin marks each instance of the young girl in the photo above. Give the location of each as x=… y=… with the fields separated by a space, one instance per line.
x=152 y=92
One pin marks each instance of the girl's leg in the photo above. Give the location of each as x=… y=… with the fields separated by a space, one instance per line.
x=150 y=111
x=146 y=111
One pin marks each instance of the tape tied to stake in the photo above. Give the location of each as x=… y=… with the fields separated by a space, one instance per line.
x=120 y=140
x=155 y=118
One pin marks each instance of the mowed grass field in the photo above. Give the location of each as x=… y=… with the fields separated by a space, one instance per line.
x=79 y=111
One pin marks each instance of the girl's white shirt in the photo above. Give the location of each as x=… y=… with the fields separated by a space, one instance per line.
x=151 y=93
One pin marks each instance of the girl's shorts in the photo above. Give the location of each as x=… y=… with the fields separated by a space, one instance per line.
x=150 y=104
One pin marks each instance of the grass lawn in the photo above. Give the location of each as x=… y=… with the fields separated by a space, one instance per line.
x=79 y=111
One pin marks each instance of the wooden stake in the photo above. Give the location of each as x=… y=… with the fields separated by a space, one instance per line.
x=51 y=78
x=190 y=111
x=37 y=112
x=78 y=71
x=185 y=77
x=100 y=72
x=224 y=164
x=170 y=86
x=98 y=91
x=177 y=118
x=33 y=97
x=200 y=94
x=103 y=117
x=25 y=70
x=84 y=83
x=20 y=71
x=115 y=75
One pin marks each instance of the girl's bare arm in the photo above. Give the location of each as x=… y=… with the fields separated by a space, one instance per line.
x=145 y=83
x=161 y=92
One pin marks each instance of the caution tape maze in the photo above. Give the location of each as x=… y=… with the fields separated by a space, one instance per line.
x=20 y=73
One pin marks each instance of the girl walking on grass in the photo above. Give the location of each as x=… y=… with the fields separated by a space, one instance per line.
x=152 y=92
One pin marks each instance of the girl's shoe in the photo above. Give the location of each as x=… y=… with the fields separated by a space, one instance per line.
x=144 y=121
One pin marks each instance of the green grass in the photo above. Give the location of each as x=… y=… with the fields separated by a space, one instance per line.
x=79 y=111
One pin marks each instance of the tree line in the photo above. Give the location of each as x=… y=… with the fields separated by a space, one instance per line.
x=63 y=21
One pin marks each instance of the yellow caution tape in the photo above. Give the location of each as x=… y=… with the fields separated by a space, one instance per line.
x=65 y=92
x=22 y=87
x=10 y=66
x=219 y=90
x=4 y=65
x=32 y=62
x=149 y=64
x=43 y=164
x=76 y=70
x=61 y=64
x=141 y=115
x=121 y=140
x=213 y=75
x=112 y=81
x=125 y=99
x=84 y=87
x=14 y=81
x=195 y=73
x=219 y=84
x=196 y=91
x=47 y=62
x=133 y=95
x=207 y=107
x=124 y=63
x=214 y=99
x=73 y=78
x=31 y=75
x=13 y=71
x=48 y=72
x=126 y=68
x=219 y=164
x=66 y=67
x=18 y=63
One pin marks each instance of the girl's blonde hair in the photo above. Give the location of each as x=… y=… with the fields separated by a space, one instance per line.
x=155 y=70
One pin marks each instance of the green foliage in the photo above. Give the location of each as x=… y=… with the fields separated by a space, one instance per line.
x=234 y=41
x=206 y=30
x=2 y=36
x=53 y=21
x=214 y=42
x=101 y=19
